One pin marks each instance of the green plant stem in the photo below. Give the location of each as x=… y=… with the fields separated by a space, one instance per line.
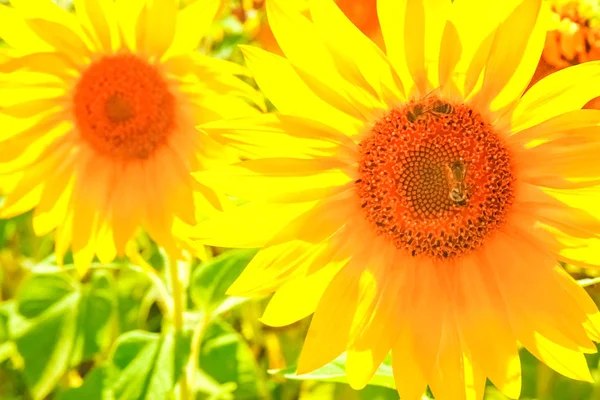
x=178 y=310
x=196 y=343
x=164 y=300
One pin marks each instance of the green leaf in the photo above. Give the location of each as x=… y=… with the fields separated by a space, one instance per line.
x=211 y=280
x=96 y=386
x=44 y=291
x=96 y=311
x=132 y=290
x=148 y=365
x=3 y=326
x=60 y=324
x=227 y=358
x=335 y=371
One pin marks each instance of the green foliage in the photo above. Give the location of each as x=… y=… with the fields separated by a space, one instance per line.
x=227 y=358
x=96 y=386
x=58 y=324
x=335 y=372
x=147 y=365
x=209 y=283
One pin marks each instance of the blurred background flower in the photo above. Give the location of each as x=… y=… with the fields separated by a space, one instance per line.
x=573 y=37
x=99 y=131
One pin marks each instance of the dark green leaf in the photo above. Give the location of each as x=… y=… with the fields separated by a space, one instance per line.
x=44 y=291
x=96 y=314
x=3 y=326
x=61 y=324
x=211 y=280
x=45 y=338
x=335 y=372
x=148 y=365
x=226 y=357
x=131 y=292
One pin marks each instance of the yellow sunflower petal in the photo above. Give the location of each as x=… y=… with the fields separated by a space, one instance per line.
x=311 y=59
x=192 y=24
x=556 y=319
x=592 y=326
x=427 y=304
x=264 y=221
x=106 y=249
x=156 y=27
x=474 y=380
x=276 y=77
x=371 y=345
x=62 y=239
x=288 y=179
x=60 y=37
x=566 y=90
x=28 y=190
x=54 y=202
x=127 y=14
x=127 y=214
x=280 y=135
x=507 y=52
x=481 y=314
x=448 y=376
x=568 y=362
x=334 y=317
x=309 y=288
x=272 y=266
x=97 y=18
x=576 y=123
x=389 y=13
x=450 y=54
x=355 y=53
x=410 y=380
x=91 y=197
x=17 y=33
x=47 y=63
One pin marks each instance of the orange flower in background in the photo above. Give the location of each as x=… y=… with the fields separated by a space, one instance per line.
x=362 y=13
x=98 y=113
x=573 y=37
x=416 y=201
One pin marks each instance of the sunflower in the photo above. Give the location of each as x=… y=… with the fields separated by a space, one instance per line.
x=415 y=202
x=98 y=113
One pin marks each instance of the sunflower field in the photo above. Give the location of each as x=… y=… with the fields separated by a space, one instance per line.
x=299 y=199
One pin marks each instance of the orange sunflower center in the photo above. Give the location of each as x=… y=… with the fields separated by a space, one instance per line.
x=123 y=107
x=435 y=179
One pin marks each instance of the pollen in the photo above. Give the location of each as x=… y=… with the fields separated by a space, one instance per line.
x=123 y=107
x=435 y=179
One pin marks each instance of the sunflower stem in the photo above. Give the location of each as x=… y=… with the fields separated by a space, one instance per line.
x=163 y=300
x=178 y=311
x=193 y=365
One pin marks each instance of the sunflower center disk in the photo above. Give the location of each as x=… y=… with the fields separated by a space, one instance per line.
x=435 y=179
x=123 y=107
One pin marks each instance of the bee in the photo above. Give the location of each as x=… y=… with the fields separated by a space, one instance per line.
x=437 y=108
x=458 y=196
x=415 y=113
x=457 y=172
x=441 y=107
